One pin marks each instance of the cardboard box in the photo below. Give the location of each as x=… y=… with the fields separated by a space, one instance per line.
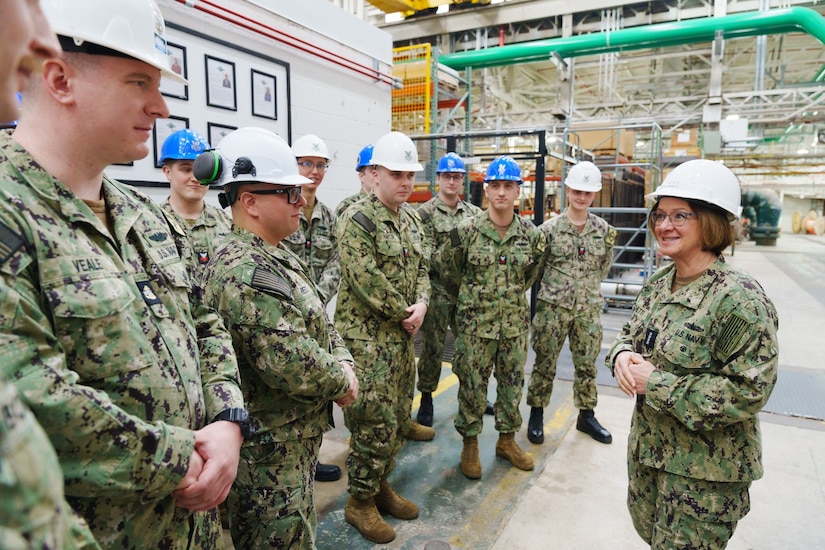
x=606 y=141
x=684 y=138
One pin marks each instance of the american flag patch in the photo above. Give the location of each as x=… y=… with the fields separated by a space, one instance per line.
x=268 y=281
x=731 y=334
x=10 y=242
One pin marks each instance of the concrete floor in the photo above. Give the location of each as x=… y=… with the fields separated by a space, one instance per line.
x=575 y=498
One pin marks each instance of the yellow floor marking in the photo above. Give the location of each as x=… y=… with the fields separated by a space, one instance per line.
x=443 y=385
x=491 y=506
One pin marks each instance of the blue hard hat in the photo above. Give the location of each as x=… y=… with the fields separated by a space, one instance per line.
x=451 y=162
x=503 y=168
x=364 y=157
x=184 y=144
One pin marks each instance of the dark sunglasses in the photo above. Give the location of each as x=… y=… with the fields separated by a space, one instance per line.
x=293 y=194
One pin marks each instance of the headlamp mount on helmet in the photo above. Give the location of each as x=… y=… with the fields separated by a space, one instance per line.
x=244 y=165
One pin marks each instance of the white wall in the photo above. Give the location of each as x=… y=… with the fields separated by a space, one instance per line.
x=346 y=109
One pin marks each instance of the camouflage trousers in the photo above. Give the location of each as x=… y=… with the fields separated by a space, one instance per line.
x=271 y=503
x=440 y=315
x=380 y=418
x=476 y=359
x=551 y=326
x=672 y=511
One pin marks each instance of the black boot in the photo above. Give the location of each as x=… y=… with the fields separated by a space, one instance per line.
x=588 y=424
x=491 y=410
x=327 y=472
x=425 y=410
x=535 y=426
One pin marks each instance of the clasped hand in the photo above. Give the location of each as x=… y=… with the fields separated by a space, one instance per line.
x=632 y=371
x=212 y=468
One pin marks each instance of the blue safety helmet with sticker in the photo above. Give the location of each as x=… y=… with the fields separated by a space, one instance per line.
x=184 y=144
x=503 y=168
x=451 y=163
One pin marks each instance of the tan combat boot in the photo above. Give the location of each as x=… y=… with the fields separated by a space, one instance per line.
x=363 y=515
x=506 y=448
x=470 y=464
x=417 y=432
x=389 y=502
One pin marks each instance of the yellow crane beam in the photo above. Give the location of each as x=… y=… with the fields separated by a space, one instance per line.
x=411 y=7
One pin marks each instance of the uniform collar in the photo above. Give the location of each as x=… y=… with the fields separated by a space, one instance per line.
x=694 y=294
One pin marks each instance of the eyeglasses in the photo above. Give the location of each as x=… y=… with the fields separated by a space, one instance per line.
x=676 y=220
x=452 y=176
x=321 y=166
x=293 y=194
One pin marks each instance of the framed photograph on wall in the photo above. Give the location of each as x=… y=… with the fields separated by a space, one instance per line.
x=264 y=100
x=216 y=132
x=177 y=60
x=220 y=84
x=164 y=127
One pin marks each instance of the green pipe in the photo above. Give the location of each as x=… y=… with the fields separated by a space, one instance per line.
x=649 y=36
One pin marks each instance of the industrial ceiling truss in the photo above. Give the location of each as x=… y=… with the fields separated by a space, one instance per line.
x=776 y=82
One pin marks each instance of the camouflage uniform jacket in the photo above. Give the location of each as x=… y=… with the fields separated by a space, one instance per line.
x=347 y=202
x=714 y=344
x=314 y=243
x=576 y=262
x=439 y=219
x=207 y=233
x=384 y=270
x=97 y=330
x=288 y=351
x=33 y=513
x=493 y=274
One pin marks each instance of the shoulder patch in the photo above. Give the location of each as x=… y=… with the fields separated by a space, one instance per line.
x=361 y=219
x=424 y=215
x=541 y=245
x=731 y=335
x=10 y=242
x=265 y=280
x=610 y=238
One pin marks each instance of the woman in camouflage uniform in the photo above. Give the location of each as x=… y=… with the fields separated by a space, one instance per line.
x=700 y=355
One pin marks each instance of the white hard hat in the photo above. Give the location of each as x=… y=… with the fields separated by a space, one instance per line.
x=395 y=151
x=249 y=155
x=134 y=28
x=704 y=180
x=310 y=146
x=585 y=176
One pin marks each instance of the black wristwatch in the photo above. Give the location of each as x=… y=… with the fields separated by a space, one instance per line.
x=240 y=417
